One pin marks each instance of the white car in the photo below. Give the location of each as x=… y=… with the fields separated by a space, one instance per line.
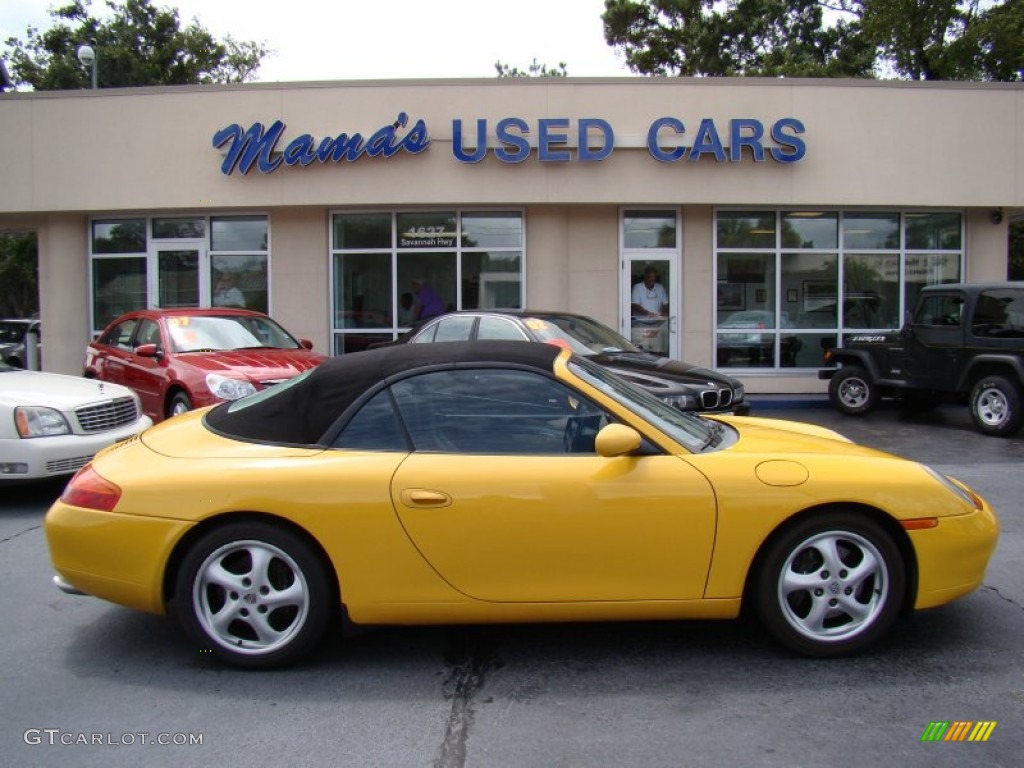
x=52 y=425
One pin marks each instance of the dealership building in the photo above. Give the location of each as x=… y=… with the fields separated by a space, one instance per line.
x=777 y=215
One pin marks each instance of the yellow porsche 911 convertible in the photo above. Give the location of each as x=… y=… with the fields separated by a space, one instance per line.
x=505 y=482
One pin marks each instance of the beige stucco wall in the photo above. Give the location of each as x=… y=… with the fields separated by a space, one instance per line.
x=69 y=155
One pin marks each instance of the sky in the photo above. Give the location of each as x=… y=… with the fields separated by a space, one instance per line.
x=386 y=39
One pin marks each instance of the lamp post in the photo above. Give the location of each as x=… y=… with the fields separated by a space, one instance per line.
x=87 y=55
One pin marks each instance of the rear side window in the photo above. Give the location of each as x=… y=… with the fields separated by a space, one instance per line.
x=374 y=428
x=999 y=313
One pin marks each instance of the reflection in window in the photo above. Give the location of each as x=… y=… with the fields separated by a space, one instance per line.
x=496 y=411
x=649 y=229
x=492 y=230
x=746 y=229
x=179 y=278
x=239 y=281
x=179 y=229
x=362 y=230
x=865 y=283
x=498 y=328
x=871 y=230
x=118 y=286
x=362 y=290
x=374 y=428
x=492 y=280
x=239 y=233
x=933 y=231
x=119 y=236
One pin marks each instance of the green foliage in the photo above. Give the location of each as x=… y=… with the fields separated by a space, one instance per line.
x=534 y=70
x=19 y=295
x=914 y=39
x=138 y=44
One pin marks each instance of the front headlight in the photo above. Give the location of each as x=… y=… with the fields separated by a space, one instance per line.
x=961 y=491
x=739 y=393
x=36 y=421
x=226 y=388
x=682 y=402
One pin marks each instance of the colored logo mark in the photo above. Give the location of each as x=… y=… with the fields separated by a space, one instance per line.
x=958 y=730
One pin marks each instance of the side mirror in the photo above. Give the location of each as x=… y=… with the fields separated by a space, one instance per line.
x=148 y=350
x=617 y=440
x=306 y=343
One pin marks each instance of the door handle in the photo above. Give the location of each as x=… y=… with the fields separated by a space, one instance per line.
x=424 y=497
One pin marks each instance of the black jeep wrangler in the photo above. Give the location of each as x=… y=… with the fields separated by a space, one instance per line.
x=962 y=342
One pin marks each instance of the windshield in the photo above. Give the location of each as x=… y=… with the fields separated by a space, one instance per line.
x=12 y=332
x=195 y=333
x=580 y=334
x=689 y=430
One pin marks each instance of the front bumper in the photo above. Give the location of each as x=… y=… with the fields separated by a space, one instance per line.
x=952 y=557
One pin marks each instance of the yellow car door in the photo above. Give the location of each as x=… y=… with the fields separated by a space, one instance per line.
x=559 y=528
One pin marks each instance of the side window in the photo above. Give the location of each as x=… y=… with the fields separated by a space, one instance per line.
x=940 y=310
x=426 y=336
x=999 y=314
x=498 y=328
x=496 y=411
x=374 y=428
x=149 y=333
x=456 y=328
x=120 y=335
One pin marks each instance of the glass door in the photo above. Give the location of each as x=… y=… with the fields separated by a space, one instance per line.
x=179 y=274
x=650 y=298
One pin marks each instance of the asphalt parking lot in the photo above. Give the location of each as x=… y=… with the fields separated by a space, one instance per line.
x=86 y=683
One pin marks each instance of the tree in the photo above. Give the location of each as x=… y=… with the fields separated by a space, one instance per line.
x=534 y=70
x=912 y=39
x=19 y=294
x=138 y=44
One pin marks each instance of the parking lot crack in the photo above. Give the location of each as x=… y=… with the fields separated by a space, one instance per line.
x=19 y=533
x=469 y=660
x=1001 y=596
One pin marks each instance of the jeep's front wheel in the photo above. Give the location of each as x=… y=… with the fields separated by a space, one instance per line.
x=996 y=406
x=852 y=391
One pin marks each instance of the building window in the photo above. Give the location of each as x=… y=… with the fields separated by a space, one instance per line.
x=793 y=283
x=391 y=270
x=178 y=261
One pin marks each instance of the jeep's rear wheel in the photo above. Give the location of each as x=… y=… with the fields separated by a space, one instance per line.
x=996 y=406
x=852 y=391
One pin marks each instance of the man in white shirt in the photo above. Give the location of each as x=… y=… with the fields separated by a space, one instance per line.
x=649 y=298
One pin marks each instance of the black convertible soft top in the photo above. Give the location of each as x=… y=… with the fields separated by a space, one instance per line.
x=301 y=414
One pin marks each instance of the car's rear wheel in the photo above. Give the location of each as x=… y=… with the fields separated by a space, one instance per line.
x=254 y=594
x=180 y=403
x=852 y=391
x=996 y=406
x=830 y=585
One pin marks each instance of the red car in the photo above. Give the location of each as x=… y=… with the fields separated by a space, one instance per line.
x=179 y=359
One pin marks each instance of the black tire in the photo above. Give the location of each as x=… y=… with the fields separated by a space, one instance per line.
x=254 y=594
x=179 y=404
x=852 y=391
x=996 y=406
x=862 y=580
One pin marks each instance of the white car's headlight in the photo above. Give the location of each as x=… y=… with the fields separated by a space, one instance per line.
x=37 y=421
x=227 y=388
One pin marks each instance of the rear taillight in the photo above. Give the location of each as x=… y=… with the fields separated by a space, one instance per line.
x=89 y=490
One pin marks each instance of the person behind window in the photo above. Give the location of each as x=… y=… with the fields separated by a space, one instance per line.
x=428 y=302
x=406 y=309
x=649 y=299
x=227 y=293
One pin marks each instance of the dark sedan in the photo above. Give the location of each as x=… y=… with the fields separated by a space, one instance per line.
x=686 y=386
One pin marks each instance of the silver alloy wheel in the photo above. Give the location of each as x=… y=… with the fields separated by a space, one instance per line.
x=991 y=406
x=178 y=408
x=853 y=392
x=833 y=586
x=250 y=597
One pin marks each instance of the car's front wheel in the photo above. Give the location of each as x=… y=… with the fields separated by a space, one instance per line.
x=180 y=403
x=254 y=594
x=996 y=406
x=830 y=585
x=852 y=391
